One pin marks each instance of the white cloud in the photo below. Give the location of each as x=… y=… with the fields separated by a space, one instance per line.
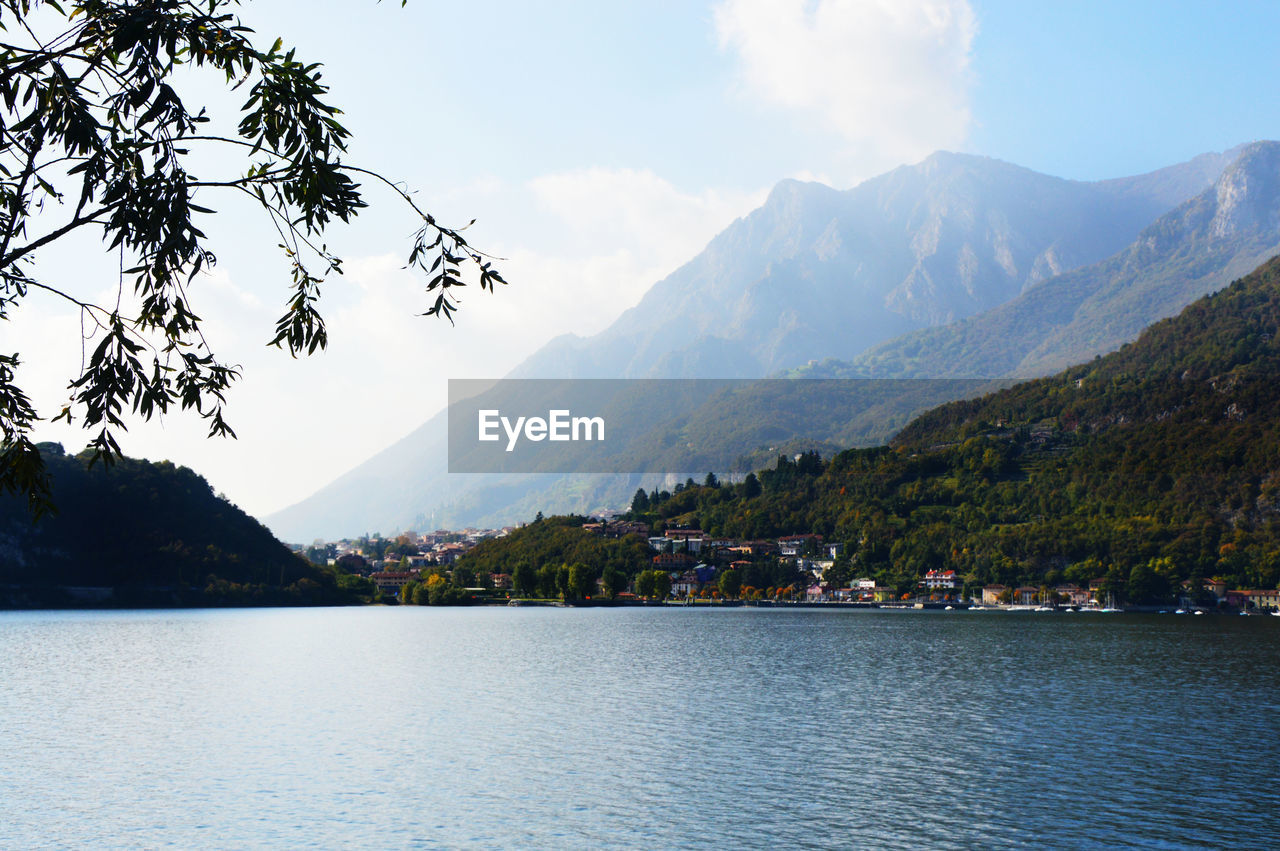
x=890 y=76
x=626 y=229
x=637 y=206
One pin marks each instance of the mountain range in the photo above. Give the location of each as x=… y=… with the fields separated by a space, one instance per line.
x=817 y=273
x=958 y=265
x=1222 y=233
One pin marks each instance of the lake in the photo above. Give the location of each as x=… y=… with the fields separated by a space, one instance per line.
x=637 y=727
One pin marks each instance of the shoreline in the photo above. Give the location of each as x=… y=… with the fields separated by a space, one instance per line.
x=57 y=598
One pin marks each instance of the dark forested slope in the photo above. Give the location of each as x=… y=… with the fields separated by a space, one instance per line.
x=155 y=532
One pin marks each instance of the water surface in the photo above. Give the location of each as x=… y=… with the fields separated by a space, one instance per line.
x=636 y=728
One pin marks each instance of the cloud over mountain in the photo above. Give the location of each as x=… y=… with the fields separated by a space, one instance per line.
x=891 y=78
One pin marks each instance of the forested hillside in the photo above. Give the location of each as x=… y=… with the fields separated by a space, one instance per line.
x=1151 y=466
x=156 y=534
x=557 y=555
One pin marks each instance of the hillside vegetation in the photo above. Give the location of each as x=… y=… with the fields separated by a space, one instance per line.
x=156 y=534
x=1157 y=464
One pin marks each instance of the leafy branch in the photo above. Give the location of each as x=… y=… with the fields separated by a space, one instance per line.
x=92 y=128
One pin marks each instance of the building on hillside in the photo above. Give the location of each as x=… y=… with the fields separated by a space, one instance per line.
x=619 y=528
x=795 y=545
x=673 y=561
x=1216 y=587
x=684 y=585
x=449 y=553
x=691 y=540
x=1254 y=601
x=991 y=594
x=1026 y=595
x=812 y=566
x=940 y=579
x=391 y=581
x=1073 y=595
x=754 y=548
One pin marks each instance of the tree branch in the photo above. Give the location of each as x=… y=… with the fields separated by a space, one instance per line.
x=9 y=259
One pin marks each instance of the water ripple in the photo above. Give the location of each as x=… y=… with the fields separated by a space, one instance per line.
x=426 y=728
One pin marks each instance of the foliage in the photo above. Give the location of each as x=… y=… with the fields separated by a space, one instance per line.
x=653 y=584
x=613 y=581
x=534 y=554
x=640 y=502
x=730 y=583
x=94 y=134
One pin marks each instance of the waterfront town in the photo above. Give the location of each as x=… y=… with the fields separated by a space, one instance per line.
x=695 y=564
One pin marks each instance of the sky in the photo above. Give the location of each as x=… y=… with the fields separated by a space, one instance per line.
x=600 y=145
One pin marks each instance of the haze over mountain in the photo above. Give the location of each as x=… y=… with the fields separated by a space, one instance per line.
x=1221 y=234
x=814 y=273
x=817 y=273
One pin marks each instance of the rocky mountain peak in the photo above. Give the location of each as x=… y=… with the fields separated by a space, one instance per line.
x=1248 y=192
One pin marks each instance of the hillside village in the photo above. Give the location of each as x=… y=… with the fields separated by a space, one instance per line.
x=696 y=563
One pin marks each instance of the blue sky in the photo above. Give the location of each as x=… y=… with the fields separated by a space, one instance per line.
x=601 y=144
x=1090 y=90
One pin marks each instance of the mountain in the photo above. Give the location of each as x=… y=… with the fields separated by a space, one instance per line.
x=813 y=273
x=1220 y=234
x=154 y=533
x=1150 y=467
x=820 y=273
